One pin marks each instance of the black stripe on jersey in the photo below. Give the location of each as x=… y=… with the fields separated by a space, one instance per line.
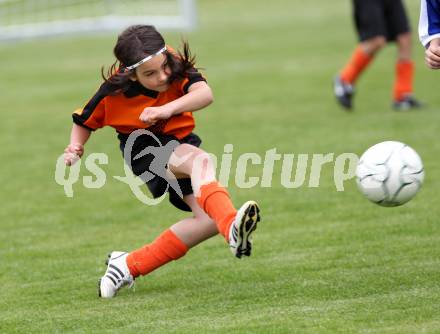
x=105 y=89
x=193 y=77
x=77 y=120
x=136 y=89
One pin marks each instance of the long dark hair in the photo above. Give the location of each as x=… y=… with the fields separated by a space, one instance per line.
x=134 y=44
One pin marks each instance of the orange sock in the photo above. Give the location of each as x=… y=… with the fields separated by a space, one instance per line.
x=355 y=66
x=165 y=248
x=404 y=79
x=215 y=201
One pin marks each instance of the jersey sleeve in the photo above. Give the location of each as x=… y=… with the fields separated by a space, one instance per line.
x=429 y=22
x=192 y=77
x=93 y=114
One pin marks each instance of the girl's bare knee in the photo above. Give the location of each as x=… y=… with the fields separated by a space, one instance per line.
x=188 y=159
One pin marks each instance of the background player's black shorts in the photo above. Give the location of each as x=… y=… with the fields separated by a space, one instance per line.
x=380 y=18
x=157 y=161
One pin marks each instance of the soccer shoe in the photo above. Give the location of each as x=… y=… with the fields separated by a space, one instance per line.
x=116 y=276
x=343 y=92
x=244 y=224
x=407 y=103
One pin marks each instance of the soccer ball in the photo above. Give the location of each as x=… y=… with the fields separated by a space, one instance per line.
x=390 y=173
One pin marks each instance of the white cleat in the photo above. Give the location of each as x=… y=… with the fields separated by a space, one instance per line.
x=244 y=224
x=116 y=276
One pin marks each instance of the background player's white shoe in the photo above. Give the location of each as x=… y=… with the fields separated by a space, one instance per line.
x=244 y=224
x=116 y=276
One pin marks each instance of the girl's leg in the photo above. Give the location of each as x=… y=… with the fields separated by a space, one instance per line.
x=173 y=243
x=194 y=230
x=191 y=161
x=211 y=200
x=236 y=227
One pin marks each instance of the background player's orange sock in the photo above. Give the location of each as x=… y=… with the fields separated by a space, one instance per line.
x=355 y=66
x=404 y=79
x=215 y=201
x=165 y=248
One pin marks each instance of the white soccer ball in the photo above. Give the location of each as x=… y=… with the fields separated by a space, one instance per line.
x=390 y=173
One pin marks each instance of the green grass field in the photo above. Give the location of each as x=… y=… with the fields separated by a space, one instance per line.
x=323 y=262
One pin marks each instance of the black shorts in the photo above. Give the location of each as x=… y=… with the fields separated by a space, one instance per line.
x=151 y=165
x=385 y=18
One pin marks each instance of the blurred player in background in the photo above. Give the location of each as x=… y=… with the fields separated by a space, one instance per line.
x=151 y=87
x=379 y=22
x=429 y=31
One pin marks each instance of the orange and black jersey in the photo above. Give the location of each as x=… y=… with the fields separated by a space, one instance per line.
x=122 y=110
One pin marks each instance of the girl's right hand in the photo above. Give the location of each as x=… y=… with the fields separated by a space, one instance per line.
x=73 y=153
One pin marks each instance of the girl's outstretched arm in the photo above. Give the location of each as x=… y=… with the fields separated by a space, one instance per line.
x=198 y=97
x=75 y=150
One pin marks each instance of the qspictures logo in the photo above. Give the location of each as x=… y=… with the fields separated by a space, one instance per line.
x=228 y=167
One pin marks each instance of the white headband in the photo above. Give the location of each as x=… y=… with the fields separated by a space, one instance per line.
x=132 y=67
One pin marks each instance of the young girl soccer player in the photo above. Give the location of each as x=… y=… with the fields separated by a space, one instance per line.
x=151 y=87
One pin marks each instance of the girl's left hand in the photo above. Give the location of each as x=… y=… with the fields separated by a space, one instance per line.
x=153 y=114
